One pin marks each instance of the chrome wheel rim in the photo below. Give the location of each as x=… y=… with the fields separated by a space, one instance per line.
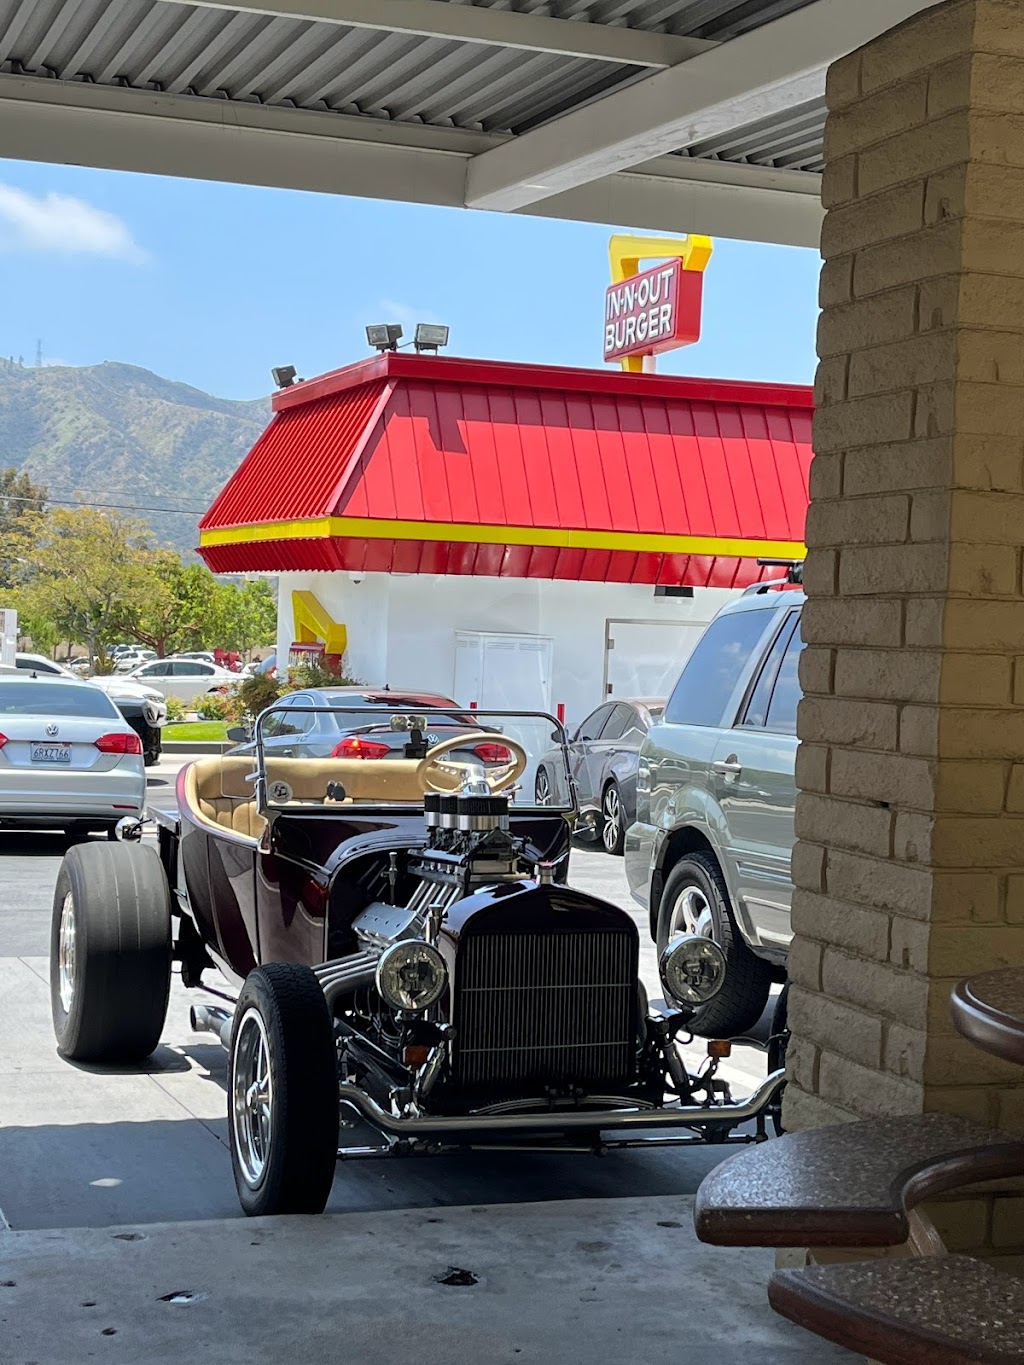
x=66 y=954
x=542 y=789
x=691 y=913
x=612 y=816
x=252 y=1097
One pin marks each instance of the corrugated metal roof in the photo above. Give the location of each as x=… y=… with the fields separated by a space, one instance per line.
x=297 y=467
x=595 y=462
x=791 y=141
x=719 y=20
x=230 y=55
x=524 y=471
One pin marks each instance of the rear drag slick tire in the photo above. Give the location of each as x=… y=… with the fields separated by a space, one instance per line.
x=110 y=953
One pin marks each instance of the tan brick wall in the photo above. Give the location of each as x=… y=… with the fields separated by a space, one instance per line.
x=909 y=866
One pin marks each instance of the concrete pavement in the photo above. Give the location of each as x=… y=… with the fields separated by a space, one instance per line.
x=596 y=1281
x=118 y=1188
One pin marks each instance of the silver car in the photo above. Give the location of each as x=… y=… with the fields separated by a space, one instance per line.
x=68 y=759
x=185 y=678
x=710 y=849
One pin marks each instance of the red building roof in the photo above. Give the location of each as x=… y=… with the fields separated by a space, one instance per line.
x=421 y=464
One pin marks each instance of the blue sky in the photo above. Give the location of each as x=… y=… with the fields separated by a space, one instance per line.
x=213 y=284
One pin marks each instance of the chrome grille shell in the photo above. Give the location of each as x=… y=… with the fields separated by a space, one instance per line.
x=545 y=993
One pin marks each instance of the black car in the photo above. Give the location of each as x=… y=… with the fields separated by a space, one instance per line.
x=408 y=953
x=320 y=723
x=603 y=757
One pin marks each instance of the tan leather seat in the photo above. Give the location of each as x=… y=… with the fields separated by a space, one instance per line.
x=217 y=793
x=220 y=791
x=364 y=779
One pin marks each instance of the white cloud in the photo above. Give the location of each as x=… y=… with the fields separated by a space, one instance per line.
x=62 y=224
x=392 y=311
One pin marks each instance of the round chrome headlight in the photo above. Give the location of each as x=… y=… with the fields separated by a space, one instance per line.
x=411 y=975
x=692 y=969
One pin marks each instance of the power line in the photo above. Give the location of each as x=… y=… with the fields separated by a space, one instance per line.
x=107 y=506
x=114 y=490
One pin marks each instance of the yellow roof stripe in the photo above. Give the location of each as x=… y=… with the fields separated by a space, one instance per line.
x=368 y=528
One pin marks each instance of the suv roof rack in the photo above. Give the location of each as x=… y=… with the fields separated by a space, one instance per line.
x=794 y=575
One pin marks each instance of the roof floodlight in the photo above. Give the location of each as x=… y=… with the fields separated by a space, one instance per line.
x=283 y=375
x=430 y=336
x=384 y=336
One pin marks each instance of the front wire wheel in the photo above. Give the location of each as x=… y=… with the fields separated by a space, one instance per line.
x=252 y=1097
x=283 y=1092
x=542 y=788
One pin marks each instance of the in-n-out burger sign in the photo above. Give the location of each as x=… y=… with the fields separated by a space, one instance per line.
x=654 y=310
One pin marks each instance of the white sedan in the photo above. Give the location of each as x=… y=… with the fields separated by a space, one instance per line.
x=68 y=759
x=184 y=678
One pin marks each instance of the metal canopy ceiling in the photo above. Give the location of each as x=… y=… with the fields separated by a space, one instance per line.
x=434 y=100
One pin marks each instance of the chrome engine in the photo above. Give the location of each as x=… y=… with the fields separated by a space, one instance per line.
x=468 y=847
x=481 y=982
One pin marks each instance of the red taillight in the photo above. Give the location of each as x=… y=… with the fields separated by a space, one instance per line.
x=3 y=741
x=492 y=753
x=119 y=744
x=352 y=746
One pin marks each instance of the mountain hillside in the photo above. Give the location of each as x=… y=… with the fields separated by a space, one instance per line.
x=116 y=433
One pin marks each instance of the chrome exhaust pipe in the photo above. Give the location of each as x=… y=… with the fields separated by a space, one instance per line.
x=678 y=1116
x=341 y=966
x=345 y=974
x=343 y=983
x=211 y=1019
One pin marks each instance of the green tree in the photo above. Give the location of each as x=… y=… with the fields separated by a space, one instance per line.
x=40 y=630
x=244 y=615
x=85 y=571
x=20 y=500
x=174 y=612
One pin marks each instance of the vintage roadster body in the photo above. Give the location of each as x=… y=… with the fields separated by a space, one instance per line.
x=408 y=953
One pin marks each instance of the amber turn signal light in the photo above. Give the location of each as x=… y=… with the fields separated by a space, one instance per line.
x=719 y=1047
x=416 y=1055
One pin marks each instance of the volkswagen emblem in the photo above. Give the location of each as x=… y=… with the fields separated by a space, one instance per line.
x=52 y=729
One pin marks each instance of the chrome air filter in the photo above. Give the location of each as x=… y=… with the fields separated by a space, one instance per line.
x=448 y=812
x=479 y=813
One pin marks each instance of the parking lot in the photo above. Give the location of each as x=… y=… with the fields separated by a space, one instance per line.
x=81 y=1148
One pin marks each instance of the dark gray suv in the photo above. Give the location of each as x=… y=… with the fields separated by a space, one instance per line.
x=710 y=849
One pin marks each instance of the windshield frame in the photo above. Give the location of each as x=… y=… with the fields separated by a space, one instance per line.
x=557 y=739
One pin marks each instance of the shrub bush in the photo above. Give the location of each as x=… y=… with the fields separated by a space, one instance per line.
x=255 y=694
x=210 y=706
x=315 y=674
x=175 y=710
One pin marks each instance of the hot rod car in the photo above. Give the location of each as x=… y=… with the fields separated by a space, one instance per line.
x=408 y=953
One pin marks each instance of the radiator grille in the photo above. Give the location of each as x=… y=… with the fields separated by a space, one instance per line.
x=537 y=1009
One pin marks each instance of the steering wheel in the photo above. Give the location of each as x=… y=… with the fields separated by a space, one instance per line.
x=435 y=776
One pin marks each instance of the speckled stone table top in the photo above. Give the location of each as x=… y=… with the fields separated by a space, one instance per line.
x=988 y=1010
x=946 y=1310
x=848 y=1185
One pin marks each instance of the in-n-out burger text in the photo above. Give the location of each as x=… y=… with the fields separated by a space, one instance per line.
x=653 y=311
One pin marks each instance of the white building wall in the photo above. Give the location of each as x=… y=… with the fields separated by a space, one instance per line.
x=401 y=628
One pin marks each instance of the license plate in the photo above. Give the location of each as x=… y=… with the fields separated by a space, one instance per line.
x=50 y=753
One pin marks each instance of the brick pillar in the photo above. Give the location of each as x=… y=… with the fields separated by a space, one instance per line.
x=909 y=870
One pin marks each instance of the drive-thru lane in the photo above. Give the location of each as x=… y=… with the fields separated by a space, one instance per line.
x=82 y=1147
